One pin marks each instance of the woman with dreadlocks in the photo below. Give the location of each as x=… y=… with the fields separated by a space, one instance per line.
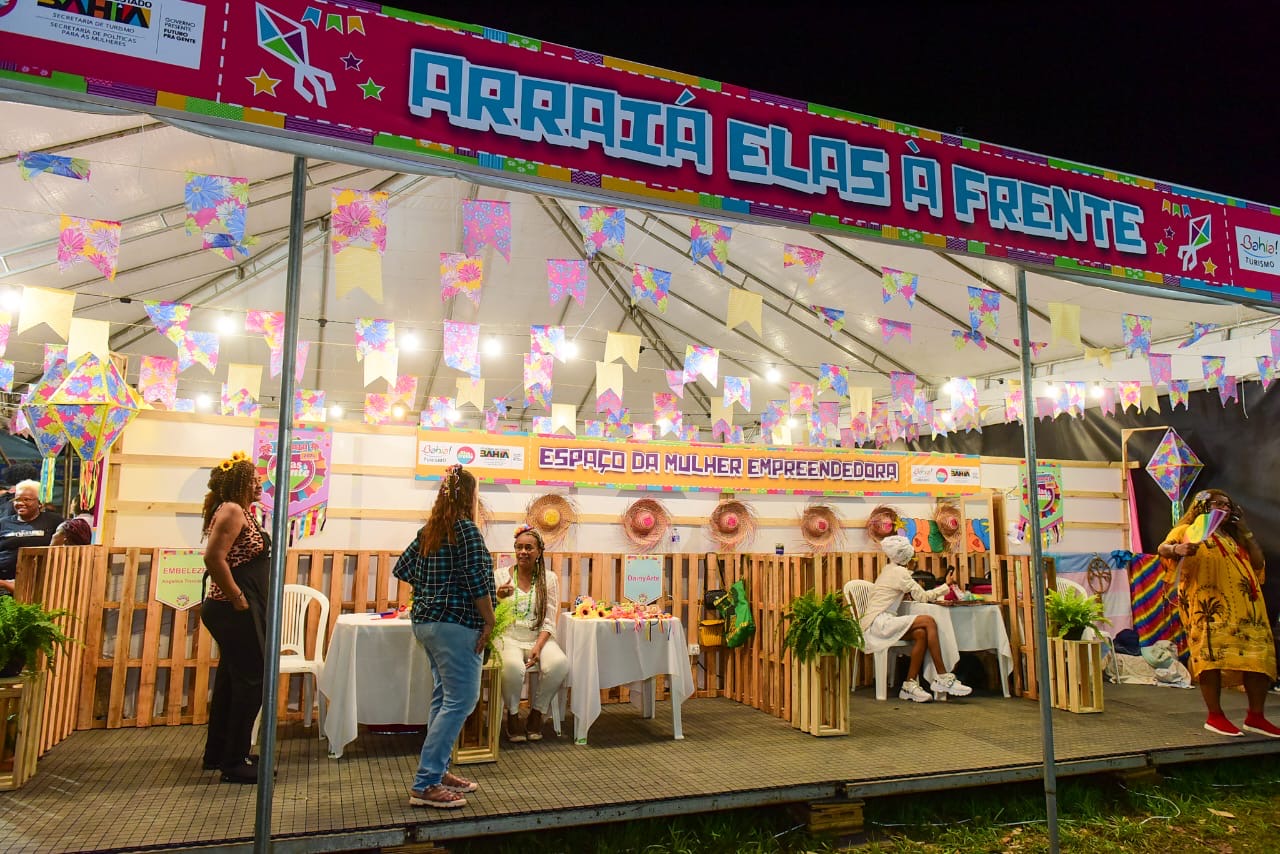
x=531 y=640
x=451 y=572
x=237 y=560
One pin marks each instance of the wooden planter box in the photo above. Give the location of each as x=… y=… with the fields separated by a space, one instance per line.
x=820 y=695
x=1075 y=675
x=21 y=705
x=478 y=741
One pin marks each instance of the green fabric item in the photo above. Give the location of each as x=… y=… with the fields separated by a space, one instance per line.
x=736 y=610
x=937 y=542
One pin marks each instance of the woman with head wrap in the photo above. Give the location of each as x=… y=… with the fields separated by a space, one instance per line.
x=1219 y=580
x=73 y=532
x=883 y=626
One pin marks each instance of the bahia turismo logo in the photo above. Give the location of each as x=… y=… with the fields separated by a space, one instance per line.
x=466 y=455
x=1259 y=251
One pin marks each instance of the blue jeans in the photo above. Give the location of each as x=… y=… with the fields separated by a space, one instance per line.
x=455 y=671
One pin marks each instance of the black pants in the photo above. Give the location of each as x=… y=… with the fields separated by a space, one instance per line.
x=237 y=685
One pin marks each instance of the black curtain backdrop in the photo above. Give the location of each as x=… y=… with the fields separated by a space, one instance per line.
x=1236 y=443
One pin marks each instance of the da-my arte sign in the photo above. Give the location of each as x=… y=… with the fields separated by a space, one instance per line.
x=379 y=79
x=563 y=461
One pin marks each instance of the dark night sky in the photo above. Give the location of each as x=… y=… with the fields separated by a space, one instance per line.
x=1169 y=91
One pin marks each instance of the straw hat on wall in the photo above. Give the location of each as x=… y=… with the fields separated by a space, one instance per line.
x=645 y=523
x=947 y=517
x=551 y=515
x=732 y=524
x=820 y=527
x=882 y=522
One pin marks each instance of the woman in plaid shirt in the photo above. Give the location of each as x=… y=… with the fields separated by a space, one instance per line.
x=451 y=572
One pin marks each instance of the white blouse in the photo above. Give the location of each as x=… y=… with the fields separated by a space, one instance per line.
x=527 y=603
x=892 y=584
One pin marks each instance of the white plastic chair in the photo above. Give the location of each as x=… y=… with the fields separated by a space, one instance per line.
x=857 y=594
x=293 y=642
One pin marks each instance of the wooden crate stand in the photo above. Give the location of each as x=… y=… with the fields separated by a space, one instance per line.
x=21 y=711
x=820 y=695
x=1075 y=675
x=478 y=741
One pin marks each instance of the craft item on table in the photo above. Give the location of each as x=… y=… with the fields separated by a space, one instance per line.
x=820 y=527
x=95 y=241
x=551 y=515
x=486 y=223
x=567 y=276
x=461 y=274
x=732 y=524
x=833 y=317
x=947 y=517
x=709 y=240
x=1175 y=467
x=897 y=282
x=33 y=163
x=603 y=228
x=652 y=284
x=810 y=259
x=882 y=522
x=645 y=523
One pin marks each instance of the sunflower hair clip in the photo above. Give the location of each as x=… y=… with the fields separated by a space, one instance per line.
x=229 y=463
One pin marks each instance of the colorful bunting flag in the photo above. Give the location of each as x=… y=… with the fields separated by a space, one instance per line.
x=1013 y=406
x=1136 y=329
x=6 y=375
x=891 y=328
x=169 y=318
x=6 y=323
x=1130 y=394
x=810 y=259
x=964 y=405
x=268 y=324
x=548 y=341
x=486 y=223
x=300 y=354
x=374 y=335
x=1213 y=366
x=675 y=382
x=567 y=276
x=603 y=229
x=773 y=415
x=744 y=307
x=902 y=389
x=239 y=403
x=897 y=282
x=199 y=348
x=1275 y=345
x=491 y=420
x=33 y=163
x=651 y=284
x=1266 y=371
x=801 y=398
x=701 y=361
x=642 y=432
x=1179 y=394
x=738 y=390
x=666 y=413
x=216 y=207
x=158 y=380
x=54 y=354
x=1198 y=331
x=438 y=414
x=500 y=406
x=358 y=220
x=1035 y=346
x=540 y=425
x=308 y=405
x=709 y=240
x=405 y=391
x=1227 y=390
x=984 y=310
x=961 y=337
x=461 y=274
x=834 y=378
x=94 y=241
x=537 y=380
x=833 y=317
x=377 y=409
x=1108 y=400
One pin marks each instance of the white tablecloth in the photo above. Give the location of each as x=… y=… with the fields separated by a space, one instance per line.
x=601 y=656
x=376 y=672
x=969 y=628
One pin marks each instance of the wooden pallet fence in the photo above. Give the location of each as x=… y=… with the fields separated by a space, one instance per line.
x=1075 y=675
x=21 y=702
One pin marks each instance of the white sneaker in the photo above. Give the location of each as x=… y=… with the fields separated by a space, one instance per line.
x=947 y=683
x=912 y=691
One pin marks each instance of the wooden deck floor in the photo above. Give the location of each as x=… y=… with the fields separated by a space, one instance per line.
x=143 y=789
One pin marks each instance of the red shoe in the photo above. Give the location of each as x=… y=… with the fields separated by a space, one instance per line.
x=1218 y=723
x=1260 y=725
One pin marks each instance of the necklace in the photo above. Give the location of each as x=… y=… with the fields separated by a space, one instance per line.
x=524 y=601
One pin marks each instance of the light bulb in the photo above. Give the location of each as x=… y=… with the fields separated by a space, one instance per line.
x=453 y=415
x=1050 y=389
x=492 y=346
x=335 y=411
x=570 y=349
x=1096 y=391
x=948 y=387
x=397 y=411
x=203 y=401
x=226 y=324
x=791 y=422
x=10 y=301
x=409 y=341
x=772 y=375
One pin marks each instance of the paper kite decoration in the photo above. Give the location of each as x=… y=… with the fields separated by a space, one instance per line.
x=1175 y=467
x=287 y=40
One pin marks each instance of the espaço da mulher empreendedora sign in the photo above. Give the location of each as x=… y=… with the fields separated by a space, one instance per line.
x=386 y=80
x=565 y=461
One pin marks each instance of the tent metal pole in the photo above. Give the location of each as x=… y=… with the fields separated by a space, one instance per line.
x=1040 y=629
x=280 y=510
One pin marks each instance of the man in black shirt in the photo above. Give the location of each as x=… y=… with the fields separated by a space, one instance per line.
x=30 y=525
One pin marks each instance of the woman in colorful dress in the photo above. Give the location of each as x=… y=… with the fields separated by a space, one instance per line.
x=1220 y=602
x=531 y=639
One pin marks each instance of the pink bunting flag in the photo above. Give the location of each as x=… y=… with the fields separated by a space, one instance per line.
x=604 y=229
x=1013 y=405
x=701 y=361
x=687 y=432
x=1108 y=399
x=964 y=405
x=666 y=413
x=216 y=206
x=801 y=398
x=650 y=284
x=239 y=403
x=897 y=282
x=593 y=429
x=541 y=426
x=1266 y=371
x=939 y=424
x=300 y=354
x=1161 y=365
x=889 y=329
x=438 y=414
x=984 y=310
x=961 y=337
x=1227 y=390
x=308 y=405
x=377 y=409
x=737 y=390
x=1074 y=392
x=404 y=391
x=491 y=420
x=721 y=429
x=567 y=276
x=833 y=317
x=158 y=380
x=642 y=432
x=709 y=240
x=833 y=378
x=537 y=380
x=199 y=348
x=810 y=259
x=169 y=318
x=93 y=241
x=486 y=223
x=53 y=354
x=675 y=382
x=921 y=411
x=462 y=347
x=1179 y=394
x=358 y=220
x=268 y=324
x=1213 y=366
x=772 y=417
x=828 y=415
x=548 y=341
x=1034 y=346
x=1046 y=407
x=6 y=323
x=608 y=401
x=374 y=334
x=1136 y=329
x=1198 y=331
x=1275 y=345
x=6 y=375
x=500 y=406
x=1130 y=394
x=902 y=389
x=859 y=429
x=461 y=274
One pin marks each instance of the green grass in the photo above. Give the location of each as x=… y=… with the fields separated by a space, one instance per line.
x=1228 y=807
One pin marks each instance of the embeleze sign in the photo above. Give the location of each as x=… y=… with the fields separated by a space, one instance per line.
x=358 y=76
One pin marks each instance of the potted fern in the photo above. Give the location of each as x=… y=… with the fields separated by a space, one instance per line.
x=26 y=630
x=1075 y=672
x=821 y=633
x=1069 y=613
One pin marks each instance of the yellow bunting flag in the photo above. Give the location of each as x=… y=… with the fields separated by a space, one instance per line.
x=564 y=415
x=1148 y=400
x=781 y=434
x=1102 y=354
x=720 y=412
x=620 y=345
x=608 y=378
x=358 y=269
x=88 y=336
x=379 y=364
x=470 y=391
x=859 y=400
x=744 y=307
x=41 y=305
x=1064 y=321
x=244 y=377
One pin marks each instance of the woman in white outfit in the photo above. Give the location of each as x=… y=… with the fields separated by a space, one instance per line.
x=530 y=641
x=883 y=626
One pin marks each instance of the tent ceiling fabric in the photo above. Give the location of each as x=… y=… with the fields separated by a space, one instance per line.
x=138 y=174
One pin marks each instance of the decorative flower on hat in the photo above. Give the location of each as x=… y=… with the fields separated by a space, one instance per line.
x=645 y=523
x=731 y=524
x=820 y=527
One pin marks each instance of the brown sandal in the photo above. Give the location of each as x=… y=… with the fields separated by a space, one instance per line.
x=437 y=797
x=460 y=785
